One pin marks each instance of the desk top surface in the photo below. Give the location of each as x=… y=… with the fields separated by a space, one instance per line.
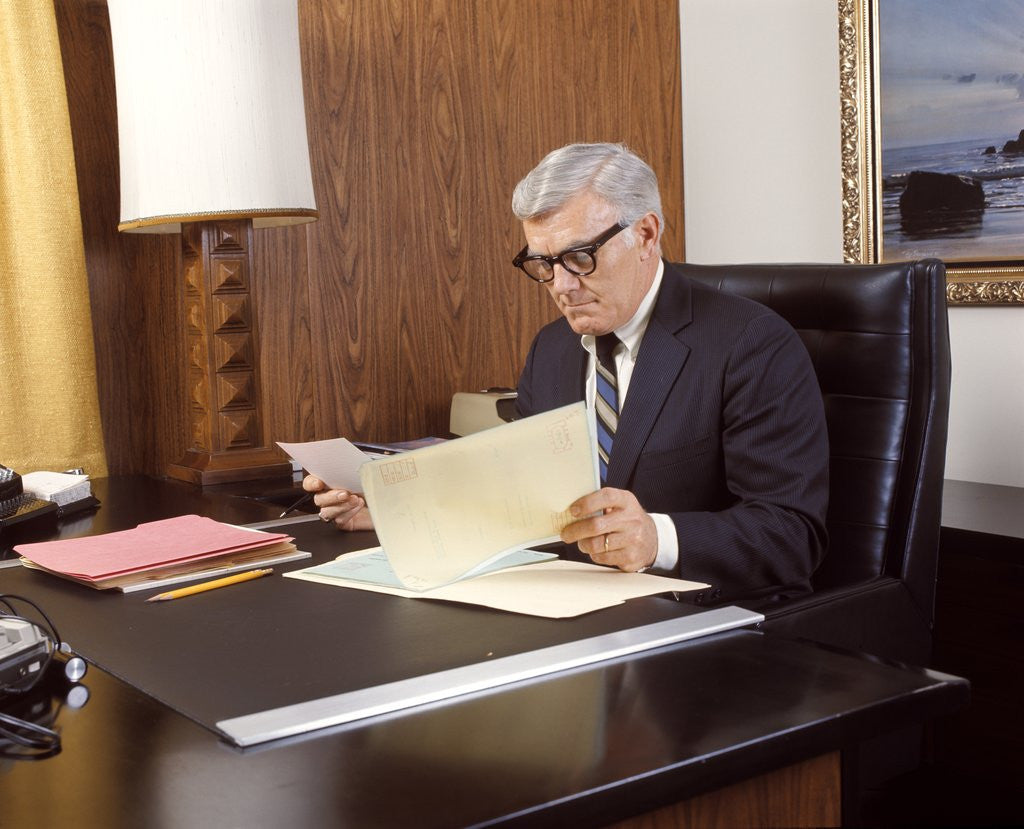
x=590 y=745
x=983 y=508
x=587 y=746
x=982 y=521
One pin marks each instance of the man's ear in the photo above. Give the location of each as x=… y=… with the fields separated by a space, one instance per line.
x=648 y=234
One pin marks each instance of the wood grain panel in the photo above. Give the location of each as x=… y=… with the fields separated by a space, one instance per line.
x=133 y=285
x=280 y=282
x=447 y=108
x=804 y=794
x=421 y=118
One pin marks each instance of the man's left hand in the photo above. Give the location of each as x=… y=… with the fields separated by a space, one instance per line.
x=616 y=532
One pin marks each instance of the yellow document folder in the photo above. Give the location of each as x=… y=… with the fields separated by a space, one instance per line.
x=447 y=511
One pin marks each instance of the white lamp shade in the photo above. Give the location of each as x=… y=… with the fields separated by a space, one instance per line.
x=210 y=113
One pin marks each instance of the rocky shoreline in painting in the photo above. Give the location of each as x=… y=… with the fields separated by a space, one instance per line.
x=933 y=198
x=962 y=199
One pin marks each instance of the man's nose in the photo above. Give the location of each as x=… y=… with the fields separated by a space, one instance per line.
x=564 y=280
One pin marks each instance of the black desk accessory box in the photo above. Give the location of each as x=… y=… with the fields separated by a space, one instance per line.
x=16 y=506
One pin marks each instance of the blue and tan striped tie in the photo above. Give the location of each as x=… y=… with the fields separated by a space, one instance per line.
x=606 y=401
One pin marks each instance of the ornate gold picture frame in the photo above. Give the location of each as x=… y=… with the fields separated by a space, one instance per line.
x=994 y=282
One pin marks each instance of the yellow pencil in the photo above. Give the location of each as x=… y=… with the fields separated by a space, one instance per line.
x=209 y=585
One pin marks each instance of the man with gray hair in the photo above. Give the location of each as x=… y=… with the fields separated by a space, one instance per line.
x=712 y=443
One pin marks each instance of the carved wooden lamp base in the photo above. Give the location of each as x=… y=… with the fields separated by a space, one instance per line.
x=206 y=468
x=227 y=437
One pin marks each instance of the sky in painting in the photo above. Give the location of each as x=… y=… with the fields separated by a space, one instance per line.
x=929 y=49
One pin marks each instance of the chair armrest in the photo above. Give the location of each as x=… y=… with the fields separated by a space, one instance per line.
x=878 y=617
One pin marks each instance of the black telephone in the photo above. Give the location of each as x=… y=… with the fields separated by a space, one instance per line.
x=16 y=505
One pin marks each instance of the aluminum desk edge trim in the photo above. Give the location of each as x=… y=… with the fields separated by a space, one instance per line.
x=303 y=717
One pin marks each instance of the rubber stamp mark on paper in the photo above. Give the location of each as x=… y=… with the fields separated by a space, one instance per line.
x=560 y=437
x=395 y=472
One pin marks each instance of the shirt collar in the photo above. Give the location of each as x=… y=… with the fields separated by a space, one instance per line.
x=632 y=331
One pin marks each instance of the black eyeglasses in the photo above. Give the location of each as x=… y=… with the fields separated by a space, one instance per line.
x=580 y=261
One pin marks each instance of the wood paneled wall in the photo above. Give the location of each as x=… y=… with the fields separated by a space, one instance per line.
x=422 y=116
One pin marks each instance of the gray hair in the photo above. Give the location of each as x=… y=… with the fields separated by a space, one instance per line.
x=611 y=171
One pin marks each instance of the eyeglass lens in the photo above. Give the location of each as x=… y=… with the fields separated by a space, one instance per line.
x=579 y=262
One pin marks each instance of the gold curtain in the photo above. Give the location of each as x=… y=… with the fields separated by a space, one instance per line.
x=49 y=406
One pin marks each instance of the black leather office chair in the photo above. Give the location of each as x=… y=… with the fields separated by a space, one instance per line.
x=879 y=340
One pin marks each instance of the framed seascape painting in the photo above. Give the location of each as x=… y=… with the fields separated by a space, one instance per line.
x=932 y=97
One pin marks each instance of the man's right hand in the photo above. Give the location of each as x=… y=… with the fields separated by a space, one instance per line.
x=346 y=510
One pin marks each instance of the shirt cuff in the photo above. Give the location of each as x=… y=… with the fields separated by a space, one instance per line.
x=668 y=542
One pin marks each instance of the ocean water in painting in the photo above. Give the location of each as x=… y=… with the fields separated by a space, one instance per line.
x=951 y=85
x=995 y=233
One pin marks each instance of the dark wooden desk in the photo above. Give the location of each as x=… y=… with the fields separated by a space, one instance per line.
x=736 y=728
x=988 y=515
x=979 y=627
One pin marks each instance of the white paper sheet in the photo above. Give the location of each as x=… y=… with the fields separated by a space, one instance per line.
x=444 y=511
x=336 y=462
x=372 y=566
x=554 y=589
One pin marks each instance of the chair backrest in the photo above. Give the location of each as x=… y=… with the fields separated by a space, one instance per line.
x=879 y=340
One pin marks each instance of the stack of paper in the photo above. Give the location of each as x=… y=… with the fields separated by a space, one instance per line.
x=158 y=553
x=448 y=511
x=454 y=519
x=548 y=587
x=60 y=487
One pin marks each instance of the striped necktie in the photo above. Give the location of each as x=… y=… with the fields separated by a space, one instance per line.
x=606 y=401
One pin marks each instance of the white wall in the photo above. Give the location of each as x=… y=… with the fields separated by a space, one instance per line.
x=761 y=171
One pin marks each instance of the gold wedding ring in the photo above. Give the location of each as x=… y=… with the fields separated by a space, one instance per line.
x=606 y=543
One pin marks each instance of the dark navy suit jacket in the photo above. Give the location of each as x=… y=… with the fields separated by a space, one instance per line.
x=723 y=429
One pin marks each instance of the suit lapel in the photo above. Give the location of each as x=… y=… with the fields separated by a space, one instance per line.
x=659 y=362
x=572 y=374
